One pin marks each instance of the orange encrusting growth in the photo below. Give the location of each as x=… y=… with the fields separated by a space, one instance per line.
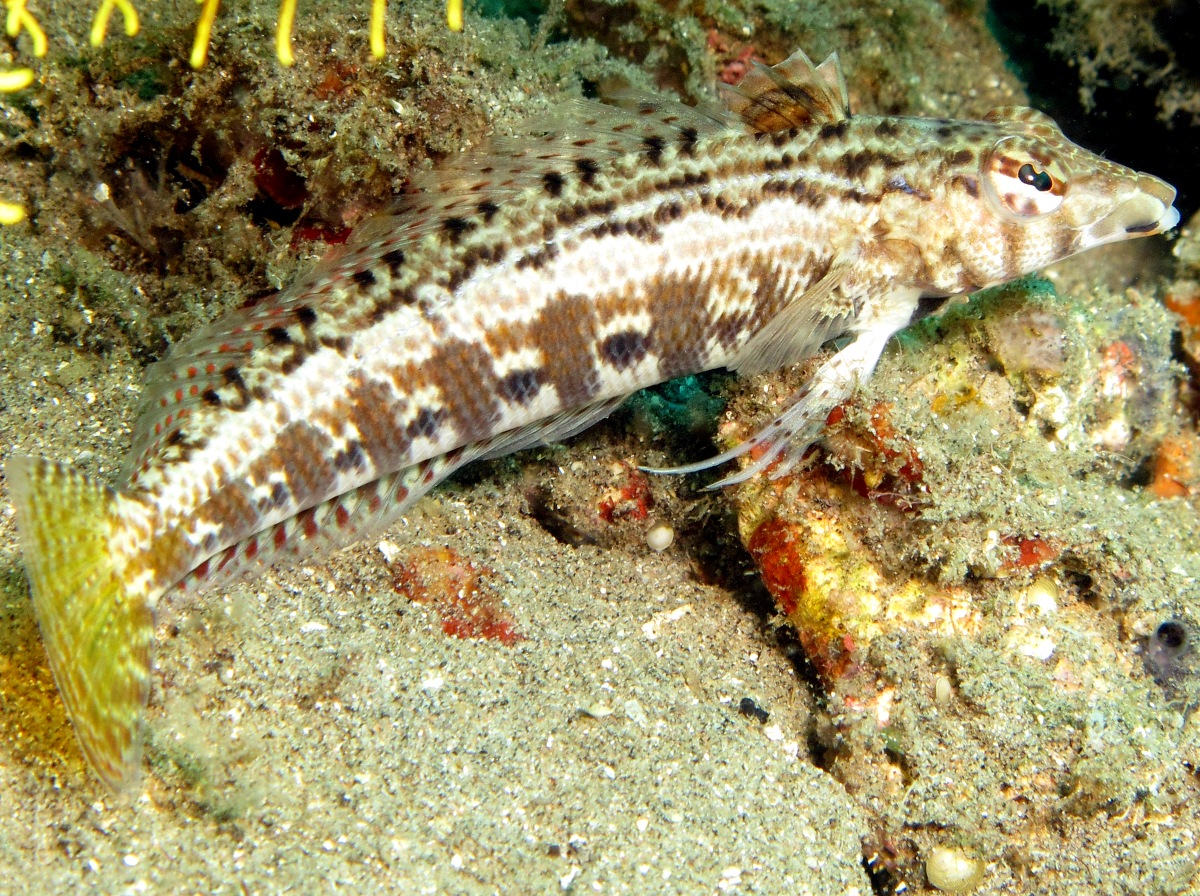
x=458 y=589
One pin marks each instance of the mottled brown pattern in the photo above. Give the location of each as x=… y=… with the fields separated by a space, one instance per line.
x=680 y=324
x=464 y=373
x=911 y=177
x=566 y=336
x=372 y=407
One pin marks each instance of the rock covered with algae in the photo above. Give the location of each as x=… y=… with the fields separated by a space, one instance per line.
x=973 y=564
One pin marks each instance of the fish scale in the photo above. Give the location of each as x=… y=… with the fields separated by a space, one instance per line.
x=520 y=297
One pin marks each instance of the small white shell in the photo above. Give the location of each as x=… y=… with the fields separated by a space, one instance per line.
x=952 y=870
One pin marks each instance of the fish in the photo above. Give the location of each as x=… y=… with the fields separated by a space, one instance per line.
x=518 y=297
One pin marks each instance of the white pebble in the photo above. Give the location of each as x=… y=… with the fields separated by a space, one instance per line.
x=659 y=537
x=952 y=870
x=942 y=690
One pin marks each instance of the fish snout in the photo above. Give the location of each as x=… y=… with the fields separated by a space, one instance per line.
x=1141 y=206
x=1150 y=209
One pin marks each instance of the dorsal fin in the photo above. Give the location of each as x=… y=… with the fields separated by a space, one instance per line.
x=793 y=94
x=559 y=143
x=206 y=364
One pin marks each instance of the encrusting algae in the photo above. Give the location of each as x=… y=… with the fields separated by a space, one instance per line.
x=19 y=19
x=525 y=294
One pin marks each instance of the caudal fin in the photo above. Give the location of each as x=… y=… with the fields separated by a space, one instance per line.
x=97 y=631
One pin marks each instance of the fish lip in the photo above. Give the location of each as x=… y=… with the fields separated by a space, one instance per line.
x=1168 y=218
x=1146 y=210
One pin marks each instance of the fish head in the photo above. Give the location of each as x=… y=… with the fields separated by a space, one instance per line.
x=1042 y=198
x=1036 y=171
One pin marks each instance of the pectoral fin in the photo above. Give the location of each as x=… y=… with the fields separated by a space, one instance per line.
x=825 y=310
x=783 y=441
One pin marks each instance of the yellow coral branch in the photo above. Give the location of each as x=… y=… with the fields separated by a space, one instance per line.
x=18 y=79
x=286 y=20
x=11 y=213
x=283 y=32
x=378 y=18
x=20 y=18
x=204 y=26
x=104 y=13
x=15 y=79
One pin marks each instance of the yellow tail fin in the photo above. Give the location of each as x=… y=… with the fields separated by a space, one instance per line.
x=97 y=632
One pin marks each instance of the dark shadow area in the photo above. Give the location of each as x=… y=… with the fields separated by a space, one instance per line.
x=1123 y=123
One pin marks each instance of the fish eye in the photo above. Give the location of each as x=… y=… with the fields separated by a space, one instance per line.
x=1039 y=180
x=1021 y=185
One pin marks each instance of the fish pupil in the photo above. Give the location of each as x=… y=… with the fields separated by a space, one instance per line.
x=1039 y=180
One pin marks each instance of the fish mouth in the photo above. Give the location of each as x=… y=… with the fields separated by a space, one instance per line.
x=1149 y=210
x=1146 y=210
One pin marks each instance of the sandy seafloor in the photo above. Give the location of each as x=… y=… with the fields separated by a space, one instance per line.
x=315 y=731
x=421 y=763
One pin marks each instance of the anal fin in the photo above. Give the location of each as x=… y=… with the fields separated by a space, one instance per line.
x=371 y=508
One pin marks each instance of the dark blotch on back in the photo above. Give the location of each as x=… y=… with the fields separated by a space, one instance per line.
x=667 y=212
x=472 y=258
x=587 y=169
x=455 y=227
x=654 y=145
x=542 y=256
x=339 y=344
x=183 y=444
x=553 y=182
x=858 y=163
x=394 y=259
x=233 y=377
x=487 y=210
x=277 y=336
x=687 y=140
x=293 y=361
x=306 y=316
x=623 y=350
x=836 y=130
x=364 y=278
